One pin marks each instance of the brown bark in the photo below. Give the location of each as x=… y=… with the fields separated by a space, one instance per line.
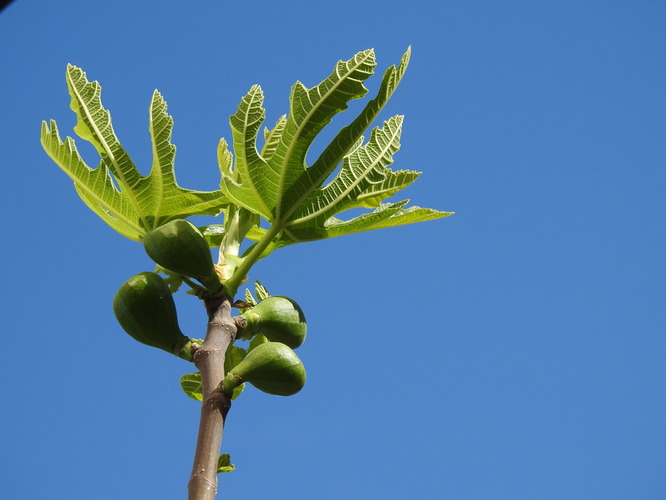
x=209 y=359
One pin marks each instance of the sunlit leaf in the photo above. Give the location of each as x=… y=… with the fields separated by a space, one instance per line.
x=129 y=202
x=191 y=385
x=299 y=201
x=261 y=291
x=248 y=297
x=224 y=463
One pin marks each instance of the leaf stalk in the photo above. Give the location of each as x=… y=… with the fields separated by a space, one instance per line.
x=237 y=278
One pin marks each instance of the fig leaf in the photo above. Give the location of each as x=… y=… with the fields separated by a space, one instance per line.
x=139 y=203
x=191 y=385
x=257 y=340
x=249 y=298
x=224 y=463
x=233 y=356
x=261 y=291
x=297 y=200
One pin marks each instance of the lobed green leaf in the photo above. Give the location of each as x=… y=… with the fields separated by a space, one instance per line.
x=129 y=202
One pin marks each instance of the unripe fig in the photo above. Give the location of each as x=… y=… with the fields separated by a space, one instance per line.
x=280 y=319
x=179 y=246
x=145 y=309
x=271 y=367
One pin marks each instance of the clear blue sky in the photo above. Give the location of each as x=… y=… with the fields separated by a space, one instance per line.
x=513 y=351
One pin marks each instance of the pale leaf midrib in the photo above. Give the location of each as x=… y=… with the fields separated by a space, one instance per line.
x=101 y=200
x=156 y=176
x=299 y=129
x=326 y=172
x=117 y=215
x=82 y=105
x=246 y=114
x=358 y=180
x=54 y=144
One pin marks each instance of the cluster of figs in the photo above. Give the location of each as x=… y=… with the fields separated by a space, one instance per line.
x=145 y=309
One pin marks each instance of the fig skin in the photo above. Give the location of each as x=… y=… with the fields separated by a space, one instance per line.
x=278 y=318
x=180 y=247
x=271 y=367
x=145 y=309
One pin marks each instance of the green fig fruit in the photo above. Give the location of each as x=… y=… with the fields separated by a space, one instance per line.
x=271 y=367
x=280 y=319
x=145 y=309
x=180 y=247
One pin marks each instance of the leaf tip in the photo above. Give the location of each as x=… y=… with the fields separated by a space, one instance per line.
x=158 y=103
x=72 y=69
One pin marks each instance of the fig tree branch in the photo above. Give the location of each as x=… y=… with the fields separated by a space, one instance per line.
x=209 y=359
